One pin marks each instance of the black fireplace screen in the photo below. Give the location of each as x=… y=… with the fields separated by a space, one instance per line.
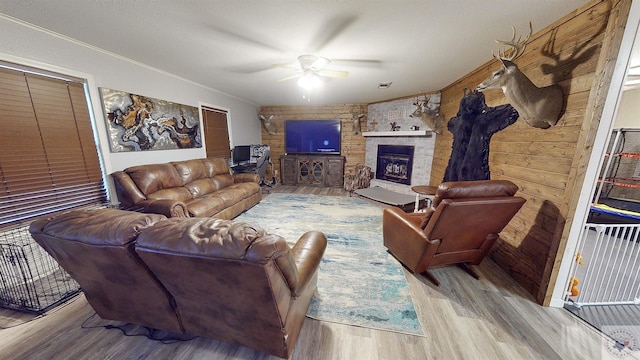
x=395 y=163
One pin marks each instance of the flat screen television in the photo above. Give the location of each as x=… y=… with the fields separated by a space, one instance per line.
x=312 y=137
x=241 y=154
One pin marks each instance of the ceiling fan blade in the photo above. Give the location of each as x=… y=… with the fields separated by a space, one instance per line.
x=229 y=33
x=331 y=30
x=359 y=62
x=290 y=77
x=333 y=73
x=280 y=66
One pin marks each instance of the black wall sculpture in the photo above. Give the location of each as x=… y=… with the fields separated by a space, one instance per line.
x=472 y=128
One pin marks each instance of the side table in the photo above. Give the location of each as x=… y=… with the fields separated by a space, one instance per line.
x=423 y=190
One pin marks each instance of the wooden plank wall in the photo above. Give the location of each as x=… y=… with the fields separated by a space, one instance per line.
x=540 y=161
x=353 y=146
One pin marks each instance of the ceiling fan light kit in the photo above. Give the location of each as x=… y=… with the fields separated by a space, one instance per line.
x=309 y=80
x=310 y=72
x=312 y=62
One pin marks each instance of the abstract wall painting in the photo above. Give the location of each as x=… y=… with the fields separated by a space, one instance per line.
x=140 y=123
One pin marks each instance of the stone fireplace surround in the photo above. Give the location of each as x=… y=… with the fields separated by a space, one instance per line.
x=422 y=158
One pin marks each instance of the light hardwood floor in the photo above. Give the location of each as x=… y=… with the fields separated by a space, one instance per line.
x=463 y=318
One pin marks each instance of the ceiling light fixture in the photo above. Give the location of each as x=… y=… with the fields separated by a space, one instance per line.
x=309 y=80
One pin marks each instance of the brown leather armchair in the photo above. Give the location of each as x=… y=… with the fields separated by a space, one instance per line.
x=459 y=228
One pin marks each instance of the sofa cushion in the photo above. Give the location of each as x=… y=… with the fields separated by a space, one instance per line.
x=177 y=193
x=230 y=195
x=201 y=187
x=88 y=226
x=247 y=188
x=216 y=166
x=205 y=206
x=208 y=237
x=223 y=180
x=154 y=177
x=190 y=170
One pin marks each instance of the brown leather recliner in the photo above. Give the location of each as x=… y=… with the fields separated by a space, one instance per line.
x=215 y=278
x=234 y=282
x=460 y=227
x=97 y=249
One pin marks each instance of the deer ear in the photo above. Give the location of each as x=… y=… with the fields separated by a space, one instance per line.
x=507 y=64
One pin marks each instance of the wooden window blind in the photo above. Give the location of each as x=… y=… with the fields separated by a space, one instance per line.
x=48 y=156
x=216 y=132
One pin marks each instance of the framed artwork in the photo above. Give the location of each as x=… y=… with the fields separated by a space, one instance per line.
x=139 y=123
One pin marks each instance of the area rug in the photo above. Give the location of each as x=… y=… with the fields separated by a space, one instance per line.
x=359 y=282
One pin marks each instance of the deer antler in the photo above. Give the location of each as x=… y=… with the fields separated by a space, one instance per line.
x=517 y=46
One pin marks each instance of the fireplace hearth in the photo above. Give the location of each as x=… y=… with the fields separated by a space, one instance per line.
x=395 y=163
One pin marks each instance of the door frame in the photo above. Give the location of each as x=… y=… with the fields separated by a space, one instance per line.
x=596 y=159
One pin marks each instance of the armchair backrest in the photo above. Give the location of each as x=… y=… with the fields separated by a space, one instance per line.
x=463 y=214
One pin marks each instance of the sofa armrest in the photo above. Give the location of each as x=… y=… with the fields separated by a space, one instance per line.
x=166 y=207
x=238 y=178
x=307 y=254
x=127 y=191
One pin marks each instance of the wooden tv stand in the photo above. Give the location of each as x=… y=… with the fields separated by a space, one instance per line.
x=316 y=170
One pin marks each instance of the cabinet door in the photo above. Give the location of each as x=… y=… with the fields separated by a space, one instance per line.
x=304 y=171
x=310 y=171
x=288 y=170
x=335 y=172
x=318 y=168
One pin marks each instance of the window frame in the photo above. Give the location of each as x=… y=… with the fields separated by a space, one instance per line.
x=79 y=190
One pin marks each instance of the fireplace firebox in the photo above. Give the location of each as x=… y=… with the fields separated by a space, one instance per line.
x=394 y=163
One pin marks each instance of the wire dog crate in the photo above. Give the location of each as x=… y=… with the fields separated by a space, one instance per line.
x=30 y=279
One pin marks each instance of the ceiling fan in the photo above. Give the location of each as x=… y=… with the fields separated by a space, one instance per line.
x=310 y=71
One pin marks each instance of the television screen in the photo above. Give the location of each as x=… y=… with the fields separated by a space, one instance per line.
x=312 y=136
x=241 y=154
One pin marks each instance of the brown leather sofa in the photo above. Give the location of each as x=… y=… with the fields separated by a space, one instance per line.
x=459 y=228
x=191 y=188
x=215 y=278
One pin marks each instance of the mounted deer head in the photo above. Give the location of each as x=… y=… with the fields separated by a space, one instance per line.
x=357 y=122
x=538 y=107
x=270 y=127
x=429 y=116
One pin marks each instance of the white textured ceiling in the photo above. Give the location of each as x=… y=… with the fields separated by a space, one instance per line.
x=419 y=46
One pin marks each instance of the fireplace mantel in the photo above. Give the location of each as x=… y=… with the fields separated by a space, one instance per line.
x=397 y=133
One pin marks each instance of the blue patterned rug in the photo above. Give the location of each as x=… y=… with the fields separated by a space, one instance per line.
x=359 y=282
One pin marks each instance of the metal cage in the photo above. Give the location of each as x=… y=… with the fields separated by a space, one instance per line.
x=30 y=279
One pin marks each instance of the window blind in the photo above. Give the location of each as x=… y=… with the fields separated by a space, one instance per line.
x=216 y=132
x=48 y=157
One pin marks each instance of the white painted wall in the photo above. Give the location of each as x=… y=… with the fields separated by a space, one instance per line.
x=628 y=115
x=37 y=47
